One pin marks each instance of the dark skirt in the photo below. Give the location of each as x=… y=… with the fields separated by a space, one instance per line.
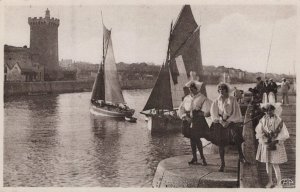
x=185 y=129
x=231 y=135
x=199 y=129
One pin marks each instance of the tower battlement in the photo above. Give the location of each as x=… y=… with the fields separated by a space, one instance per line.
x=42 y=21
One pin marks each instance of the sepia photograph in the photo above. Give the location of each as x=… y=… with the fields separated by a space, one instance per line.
x=162 y=94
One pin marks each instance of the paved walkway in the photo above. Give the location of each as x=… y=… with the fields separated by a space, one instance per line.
x=288 y=169
x=177 y=173
x=254 y=175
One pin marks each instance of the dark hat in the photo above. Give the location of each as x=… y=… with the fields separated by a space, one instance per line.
x=258 y=78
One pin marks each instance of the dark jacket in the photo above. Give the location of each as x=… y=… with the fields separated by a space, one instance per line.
x=273 y=87
x=260 y=89
x=267 y=87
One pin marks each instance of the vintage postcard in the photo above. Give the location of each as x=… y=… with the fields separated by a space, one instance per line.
x=149 y=95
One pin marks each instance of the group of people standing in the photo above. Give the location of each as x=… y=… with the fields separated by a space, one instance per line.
x=227 y=126
x=269 y=86
x=226 y=121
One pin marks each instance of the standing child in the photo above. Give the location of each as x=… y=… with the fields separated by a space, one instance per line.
x=271 y=133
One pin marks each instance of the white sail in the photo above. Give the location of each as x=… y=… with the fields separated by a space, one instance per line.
x=113 y=92
x=177 y=89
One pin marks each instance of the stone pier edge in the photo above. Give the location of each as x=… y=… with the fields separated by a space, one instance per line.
x=249 y=177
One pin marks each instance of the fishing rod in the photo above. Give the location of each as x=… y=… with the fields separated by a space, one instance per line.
x=240 y=126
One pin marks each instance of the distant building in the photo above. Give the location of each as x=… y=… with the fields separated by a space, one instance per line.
x=85 y=71
x=241 y=73
x=66 y=63
x=40 y=61
x=44 y=41
x=22 y=64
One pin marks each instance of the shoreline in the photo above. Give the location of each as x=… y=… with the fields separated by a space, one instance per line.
x=53 y=87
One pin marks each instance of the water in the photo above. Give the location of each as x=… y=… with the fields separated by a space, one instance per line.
x=53 y=141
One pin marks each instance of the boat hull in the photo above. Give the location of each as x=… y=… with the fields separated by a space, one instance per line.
x=101 y=111
x=157 y=124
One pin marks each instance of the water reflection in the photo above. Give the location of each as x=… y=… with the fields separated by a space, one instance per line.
x=107 y=150
x=35 y=138
x=52 y=141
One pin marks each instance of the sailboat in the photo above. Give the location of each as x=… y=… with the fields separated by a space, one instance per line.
x=183 y=56
x=107 y=98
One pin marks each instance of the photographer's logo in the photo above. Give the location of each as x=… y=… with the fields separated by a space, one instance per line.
x=287 y=182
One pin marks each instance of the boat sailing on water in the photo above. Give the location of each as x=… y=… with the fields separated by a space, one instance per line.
x=107 y=98
x=183 y=56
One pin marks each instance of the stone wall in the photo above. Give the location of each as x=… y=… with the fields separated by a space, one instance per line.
x=249 y=177
x=48 y=87
x=137 y=84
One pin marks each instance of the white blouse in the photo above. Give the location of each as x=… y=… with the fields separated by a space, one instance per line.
x=185 y=106
x=197 y=102
x=228 y=110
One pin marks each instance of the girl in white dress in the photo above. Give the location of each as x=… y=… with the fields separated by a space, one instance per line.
x=271 y=133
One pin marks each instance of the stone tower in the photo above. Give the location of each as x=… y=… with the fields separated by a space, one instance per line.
x=44 y=40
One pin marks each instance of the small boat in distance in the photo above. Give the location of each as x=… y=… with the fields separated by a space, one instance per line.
x=107 y=98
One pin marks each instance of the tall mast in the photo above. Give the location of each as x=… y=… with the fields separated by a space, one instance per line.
x=270 y=45
x=102 y=64
x=269 y=50
x=168 y=51
x=102 y=40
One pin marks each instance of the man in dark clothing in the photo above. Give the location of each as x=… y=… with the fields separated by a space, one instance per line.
x=273 y=88
x=267 y=87
x=259 y=88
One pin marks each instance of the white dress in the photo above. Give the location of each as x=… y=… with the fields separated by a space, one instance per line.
x=267 y=124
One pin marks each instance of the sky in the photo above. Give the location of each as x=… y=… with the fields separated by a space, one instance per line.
x=237 y=36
